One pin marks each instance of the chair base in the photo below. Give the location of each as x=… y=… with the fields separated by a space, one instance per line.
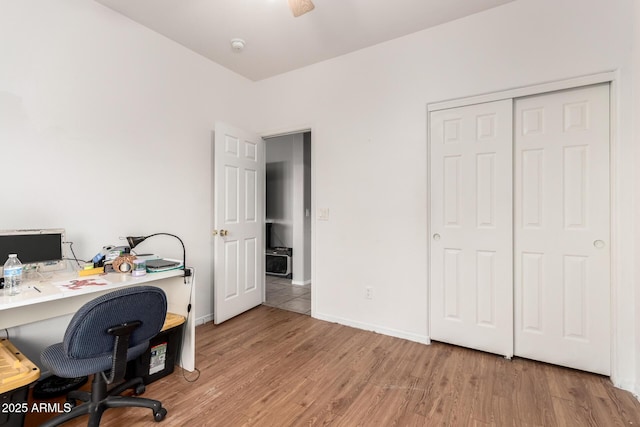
x=100 y=399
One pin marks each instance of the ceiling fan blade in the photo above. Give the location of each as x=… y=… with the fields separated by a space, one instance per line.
x=300 y=7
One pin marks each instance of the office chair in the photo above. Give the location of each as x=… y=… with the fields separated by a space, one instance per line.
x=101 y=338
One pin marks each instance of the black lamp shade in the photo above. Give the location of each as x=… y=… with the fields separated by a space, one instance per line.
x=135 y=241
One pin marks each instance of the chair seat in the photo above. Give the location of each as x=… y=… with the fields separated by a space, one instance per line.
x=53 y=357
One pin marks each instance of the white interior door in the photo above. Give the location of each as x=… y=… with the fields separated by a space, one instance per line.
x=239 y=182
x=471 y=274
x=562 y=228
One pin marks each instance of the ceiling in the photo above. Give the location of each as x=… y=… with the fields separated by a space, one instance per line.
x=276 y=42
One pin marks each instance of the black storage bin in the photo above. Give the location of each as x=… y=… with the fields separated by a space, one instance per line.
x=161 y=357
x=14 y=411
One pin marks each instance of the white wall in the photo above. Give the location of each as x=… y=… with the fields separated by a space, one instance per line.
x=367 y=111
x=279 y=159
x=298 y=211
x=106 y=129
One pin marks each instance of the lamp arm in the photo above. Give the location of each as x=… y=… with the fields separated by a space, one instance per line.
x=187 y=272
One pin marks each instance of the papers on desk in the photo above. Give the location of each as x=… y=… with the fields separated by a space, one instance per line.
x=79 y=284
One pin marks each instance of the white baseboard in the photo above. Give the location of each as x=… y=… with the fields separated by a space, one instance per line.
x=422 y=339
x=301 y=283
x=204 y=319
x=636 y=391
x=630 y=386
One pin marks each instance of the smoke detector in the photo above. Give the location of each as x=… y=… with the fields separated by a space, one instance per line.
x=237 y=45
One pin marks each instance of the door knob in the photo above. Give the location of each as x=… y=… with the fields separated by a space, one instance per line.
x=223 y=233
x=436 y=236
x=215 y=232
x=599 y=244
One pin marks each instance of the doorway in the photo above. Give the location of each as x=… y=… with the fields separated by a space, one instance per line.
x=288 y=222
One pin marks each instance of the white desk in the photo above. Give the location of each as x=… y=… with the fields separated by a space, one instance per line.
x=42 y=300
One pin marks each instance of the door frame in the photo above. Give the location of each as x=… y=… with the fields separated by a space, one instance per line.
x=611 y=77
x=290 y=131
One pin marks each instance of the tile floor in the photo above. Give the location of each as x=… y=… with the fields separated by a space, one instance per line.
x=282 y=294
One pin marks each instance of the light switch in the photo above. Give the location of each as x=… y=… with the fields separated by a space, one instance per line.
x=323 y=214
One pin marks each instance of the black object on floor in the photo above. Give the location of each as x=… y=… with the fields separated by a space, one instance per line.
x=54 y=386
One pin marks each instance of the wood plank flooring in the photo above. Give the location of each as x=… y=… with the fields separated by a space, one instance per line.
x=270 y=367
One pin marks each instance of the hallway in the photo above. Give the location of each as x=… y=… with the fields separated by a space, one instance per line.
x=282 y=294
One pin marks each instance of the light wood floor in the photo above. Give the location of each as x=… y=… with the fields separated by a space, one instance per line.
x=270 y=367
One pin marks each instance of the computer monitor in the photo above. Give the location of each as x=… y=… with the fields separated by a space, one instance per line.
x=41 y=248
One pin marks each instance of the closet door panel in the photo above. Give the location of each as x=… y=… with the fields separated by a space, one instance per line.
x=562 y=228
x=471 y=253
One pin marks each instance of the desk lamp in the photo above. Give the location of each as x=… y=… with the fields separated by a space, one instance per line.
x=135 y=241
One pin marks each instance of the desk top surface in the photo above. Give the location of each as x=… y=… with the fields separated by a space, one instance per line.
x=54 y=286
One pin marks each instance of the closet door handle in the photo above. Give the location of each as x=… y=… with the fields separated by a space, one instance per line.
x=599 y=244
x=436 y=237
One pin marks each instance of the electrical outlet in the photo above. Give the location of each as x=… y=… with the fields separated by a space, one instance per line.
x=368 y=294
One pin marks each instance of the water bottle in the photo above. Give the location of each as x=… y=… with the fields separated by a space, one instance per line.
x=13 y=274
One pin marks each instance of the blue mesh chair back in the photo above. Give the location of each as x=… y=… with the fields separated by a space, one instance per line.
x=103 y=335
x=87 y=336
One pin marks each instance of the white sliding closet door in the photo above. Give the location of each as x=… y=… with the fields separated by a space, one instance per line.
x=562 y=228
x=471 y=275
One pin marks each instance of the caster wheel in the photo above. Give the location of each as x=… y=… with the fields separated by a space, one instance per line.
x=140 y=389
x=71 y=403
x=159 y=415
